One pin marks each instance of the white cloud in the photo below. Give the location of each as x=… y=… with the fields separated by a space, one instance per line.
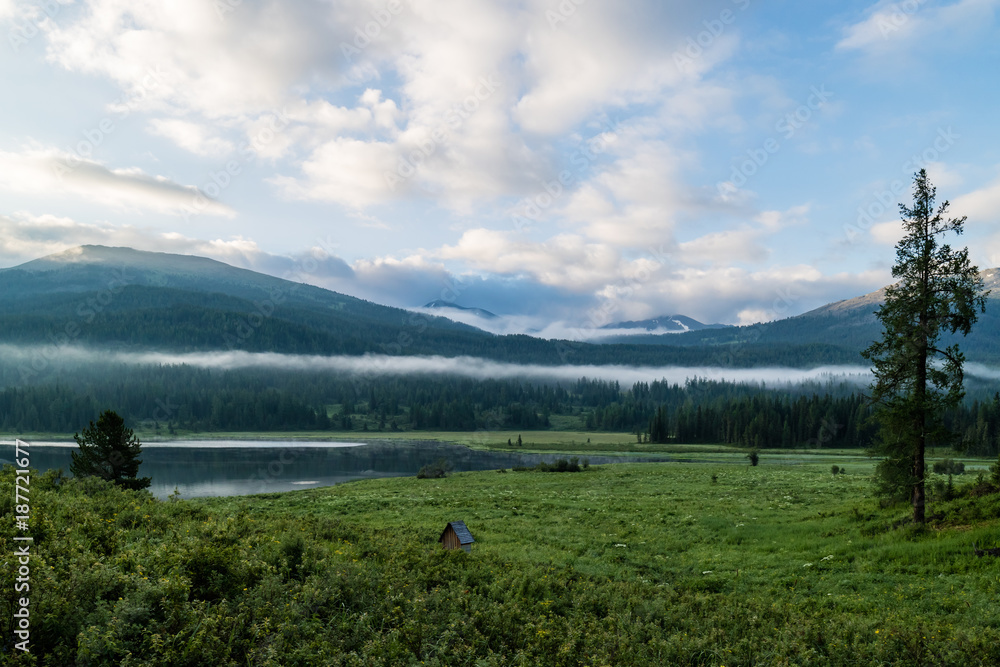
x=982 y=205
x=893 y=26
x=191 y=137
x=724 y=248
x=61 y=174
x=887 y=233
x=348 y=171
x=633 y=199
x=473 y=91
x=239 y=62
x=943 y=176
x=564 y=261
x=774 y=221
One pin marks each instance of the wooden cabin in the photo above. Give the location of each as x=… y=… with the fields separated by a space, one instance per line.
x=456 y=535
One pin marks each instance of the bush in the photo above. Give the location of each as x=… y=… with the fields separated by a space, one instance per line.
x=435 y=470
x=835 y=469
x=561 y=465
x=753 y=456
x=949 y=467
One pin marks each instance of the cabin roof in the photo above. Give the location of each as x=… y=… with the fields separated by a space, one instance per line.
x=461 y=531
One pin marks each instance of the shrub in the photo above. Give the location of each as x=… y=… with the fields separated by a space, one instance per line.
x=835 y=469
x=949 y=467
x=753 y=456
x=435 y=470
x=561 y=465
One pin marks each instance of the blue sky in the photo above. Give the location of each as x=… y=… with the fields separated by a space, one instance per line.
x=565 y=164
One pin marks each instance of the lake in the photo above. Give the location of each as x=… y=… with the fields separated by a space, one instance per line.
x=236 y=467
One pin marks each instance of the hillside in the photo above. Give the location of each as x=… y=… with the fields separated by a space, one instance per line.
x=849 y=324
x=117 y=298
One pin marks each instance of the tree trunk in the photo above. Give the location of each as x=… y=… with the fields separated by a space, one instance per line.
x=920 y=422
x=919 y=499
x=920 y=417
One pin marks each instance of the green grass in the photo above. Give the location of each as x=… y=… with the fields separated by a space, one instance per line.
x=643 y=564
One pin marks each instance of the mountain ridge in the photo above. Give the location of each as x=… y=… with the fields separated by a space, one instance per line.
x=445 y=305
x=678 y=323
x=121 y=297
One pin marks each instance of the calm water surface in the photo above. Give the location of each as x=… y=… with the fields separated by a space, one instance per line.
x=235 y=467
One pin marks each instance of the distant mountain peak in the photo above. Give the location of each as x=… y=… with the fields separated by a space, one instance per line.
x=121 y=256
x=665 y=323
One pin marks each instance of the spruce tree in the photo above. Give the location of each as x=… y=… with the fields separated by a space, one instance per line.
x=916 y=378
x=110 y=451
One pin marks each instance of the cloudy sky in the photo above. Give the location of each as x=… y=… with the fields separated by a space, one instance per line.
x=570 y=161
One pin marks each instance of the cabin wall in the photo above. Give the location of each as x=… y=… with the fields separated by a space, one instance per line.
x=451 y=540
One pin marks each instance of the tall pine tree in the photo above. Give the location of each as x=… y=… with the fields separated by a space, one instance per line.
x=916 y=378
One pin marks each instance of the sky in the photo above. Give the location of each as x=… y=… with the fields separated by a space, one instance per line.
x=565 y=164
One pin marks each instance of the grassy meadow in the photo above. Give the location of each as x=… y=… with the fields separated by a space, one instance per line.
x=646 y=564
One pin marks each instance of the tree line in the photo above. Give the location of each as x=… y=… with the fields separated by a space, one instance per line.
x=164 y=399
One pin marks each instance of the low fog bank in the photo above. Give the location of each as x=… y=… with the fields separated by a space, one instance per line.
x=39 y=359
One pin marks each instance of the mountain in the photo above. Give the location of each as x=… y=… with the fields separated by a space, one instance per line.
x=849 y=324
x=446 y=305
x=123 y=297
x=119 y=298
x=666 y=324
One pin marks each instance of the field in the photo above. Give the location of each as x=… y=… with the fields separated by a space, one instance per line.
x=645 y=564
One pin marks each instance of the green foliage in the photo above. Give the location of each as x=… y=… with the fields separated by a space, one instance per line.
x=659 y=426
x=916 y=377
x=109 y=450
x=753 y=456
x=436 y=470
x=638 y=564
x=835 y=469
x=560 y=465
x=949 y=467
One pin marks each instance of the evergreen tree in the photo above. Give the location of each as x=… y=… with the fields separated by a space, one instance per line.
x=916 y=378
x=110 y=451
x=658 y=431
